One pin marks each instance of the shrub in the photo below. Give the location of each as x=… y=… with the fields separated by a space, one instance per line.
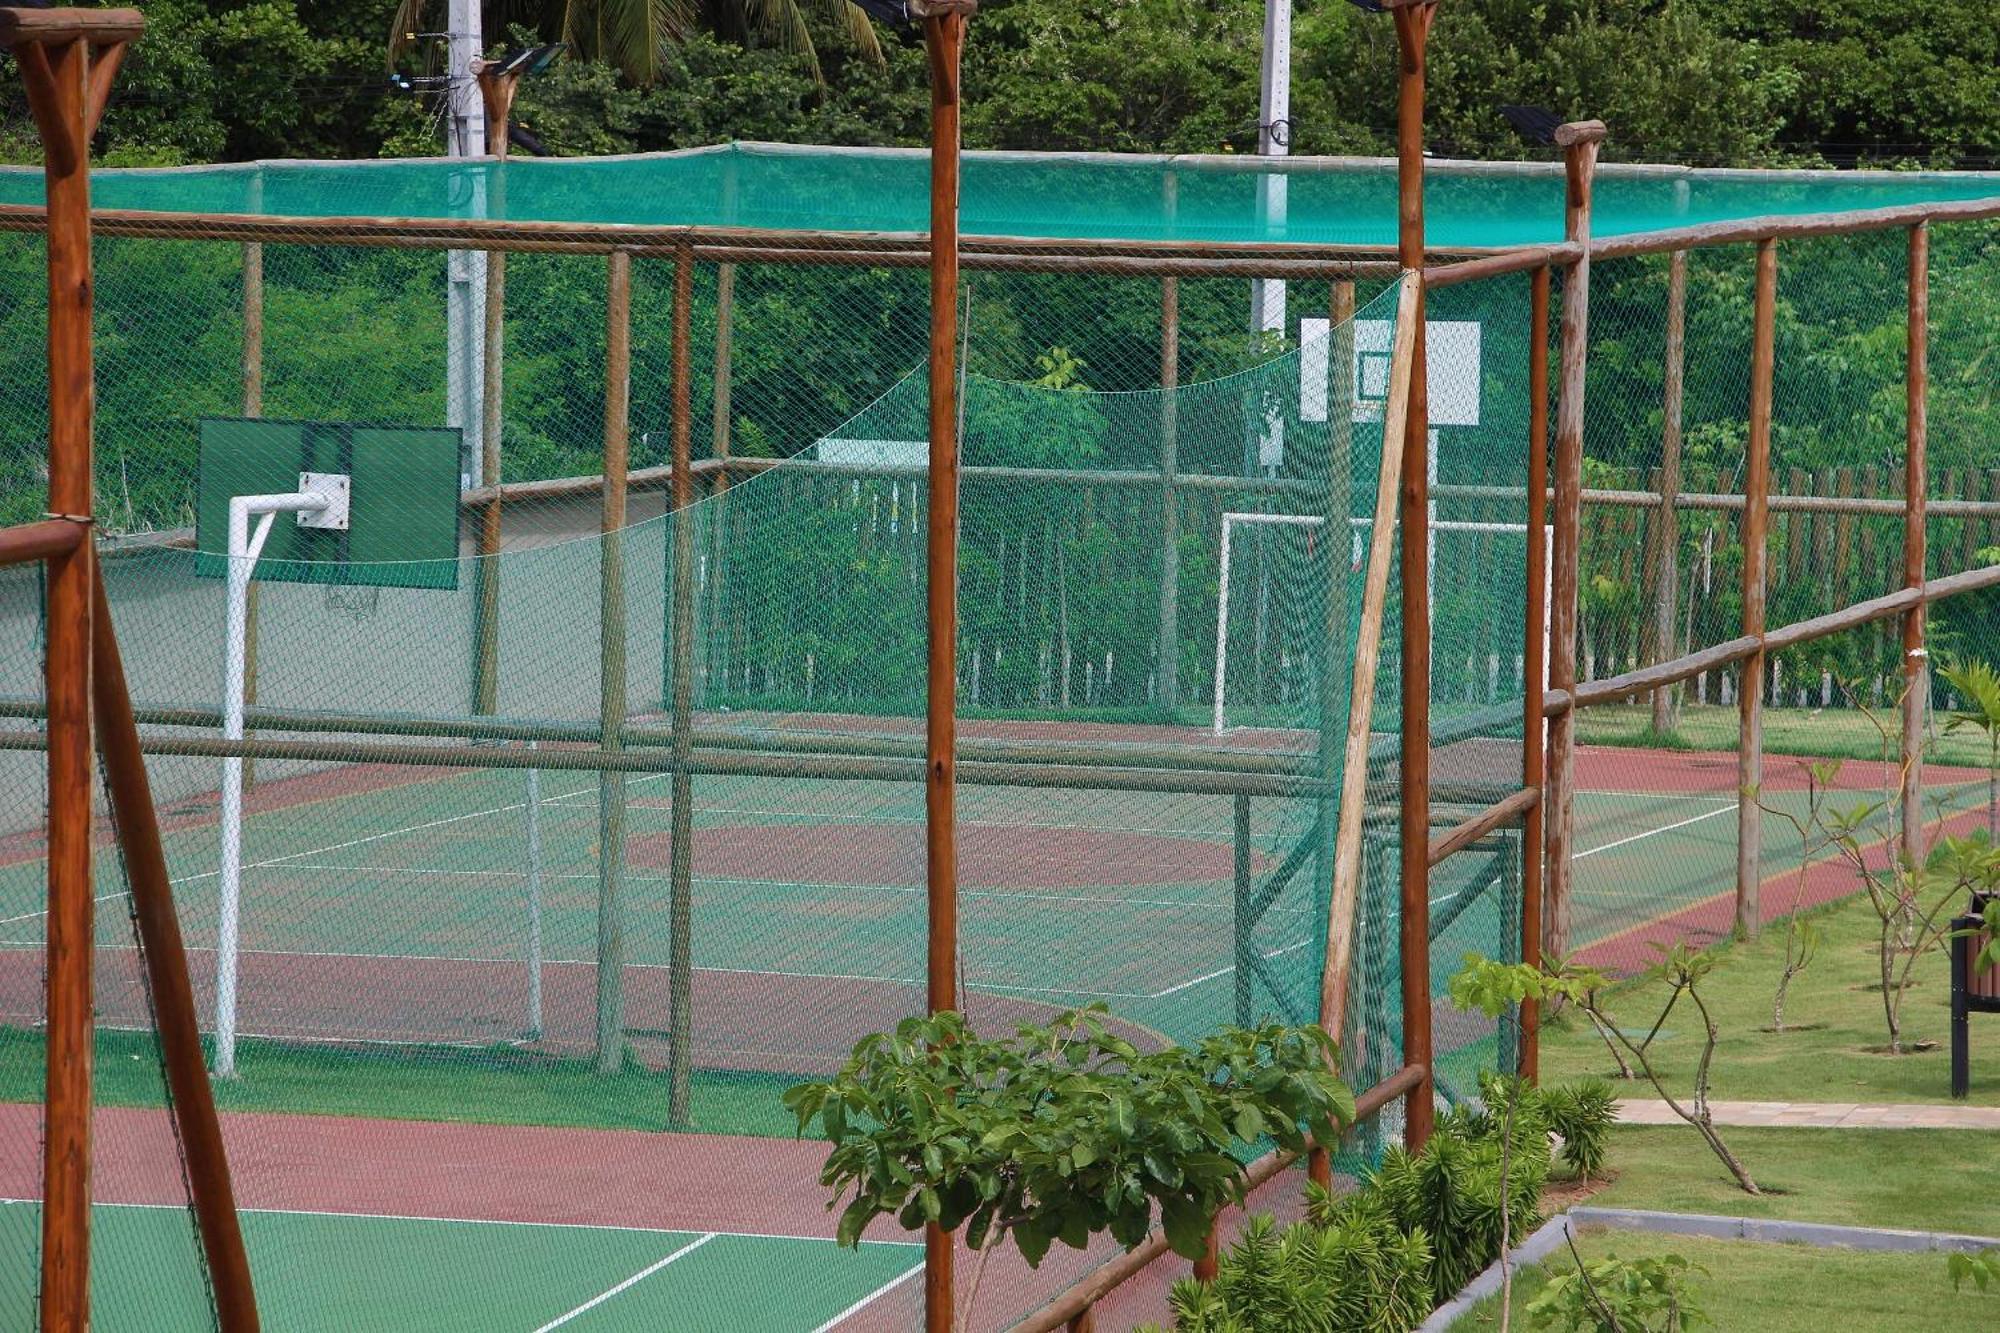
x=1581 y=1114
x=1617 y=1295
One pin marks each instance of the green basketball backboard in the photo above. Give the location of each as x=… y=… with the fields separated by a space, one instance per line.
x=403 y=500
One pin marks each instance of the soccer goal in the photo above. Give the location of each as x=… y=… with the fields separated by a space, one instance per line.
x=1285 y=597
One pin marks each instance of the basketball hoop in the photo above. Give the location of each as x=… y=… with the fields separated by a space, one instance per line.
x=354 y=601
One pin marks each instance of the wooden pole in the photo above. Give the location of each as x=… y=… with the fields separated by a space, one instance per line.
x=944 y=23
x=1413 y=25
x=165 y=959
x=1666 y=523
x=715 y=641
x=1579 y=142
x=1534 y=664
x=611 y=665
x=680 y=912
x=53 y=49
x=1336 y=690
x=1170 y=511
x=1345 y=891
x=1756 y=581
x=1916 y=496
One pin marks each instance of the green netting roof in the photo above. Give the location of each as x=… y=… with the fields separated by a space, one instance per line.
x=1102 y=196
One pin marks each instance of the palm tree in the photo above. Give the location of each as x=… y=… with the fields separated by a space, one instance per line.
x=629 y=35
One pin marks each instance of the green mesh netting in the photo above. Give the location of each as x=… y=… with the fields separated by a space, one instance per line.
x=1010 y=194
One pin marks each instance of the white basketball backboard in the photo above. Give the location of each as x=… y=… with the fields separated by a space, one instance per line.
x=1452 y=349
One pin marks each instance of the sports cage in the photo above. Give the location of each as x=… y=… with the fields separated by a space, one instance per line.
x=562 y=855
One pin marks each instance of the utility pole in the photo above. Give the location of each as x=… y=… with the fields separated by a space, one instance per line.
x=1274 y=139
x=465 y=310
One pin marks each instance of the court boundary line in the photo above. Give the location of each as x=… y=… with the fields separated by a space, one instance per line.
x=490 y=1221
x=629 y=1283
x=870 y=1298
x=1655 y=832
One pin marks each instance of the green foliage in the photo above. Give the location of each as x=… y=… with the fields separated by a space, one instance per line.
x=1617 y=1295
x=1354 y=1273
x=1450 y=1189
x=1582 y=1115
x=1060 y=1133
x=1982 y=1269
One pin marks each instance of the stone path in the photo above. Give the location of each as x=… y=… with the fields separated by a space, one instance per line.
x=1820 y=1115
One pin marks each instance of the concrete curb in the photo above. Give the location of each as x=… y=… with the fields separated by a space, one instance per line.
x=1712 y=1226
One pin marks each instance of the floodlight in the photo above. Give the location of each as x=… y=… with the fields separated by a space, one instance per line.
x=527 y=62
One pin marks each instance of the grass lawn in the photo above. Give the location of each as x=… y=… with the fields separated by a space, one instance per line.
x=494 y=1085
x=1917 y=1179
x=1836 y=733
x=1784 y=1288
x=1834 y=1055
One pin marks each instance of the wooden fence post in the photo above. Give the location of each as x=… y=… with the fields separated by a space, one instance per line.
x=1916 y=489
x=611 y=664
x=1580 y=144
x=1667 y=527
x=680 y=909
x=1170 y=512
x=1534 y=664
x=1756 y=579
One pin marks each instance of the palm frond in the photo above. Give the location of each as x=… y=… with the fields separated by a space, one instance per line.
x=408 y=18
x=783 y=22
x=860 y=29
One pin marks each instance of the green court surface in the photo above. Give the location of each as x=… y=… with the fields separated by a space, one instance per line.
x=448 y=1276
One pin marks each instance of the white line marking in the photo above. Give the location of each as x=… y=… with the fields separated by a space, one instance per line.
x=496 y=1222
x=629 y=1282
x=829 y=890
x=1220 y=972
x=1664 y=828
x=870 y=1298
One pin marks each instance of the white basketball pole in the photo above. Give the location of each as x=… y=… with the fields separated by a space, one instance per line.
x=328 y=503
x=534 y=902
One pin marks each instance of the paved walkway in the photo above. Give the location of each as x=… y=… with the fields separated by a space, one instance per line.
x=1820 y=1115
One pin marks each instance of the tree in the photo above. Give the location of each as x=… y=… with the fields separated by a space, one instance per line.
x=1062 y=1132
x=632 y=36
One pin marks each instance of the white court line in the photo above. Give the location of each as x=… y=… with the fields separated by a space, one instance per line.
x=1665 y=828
x=334 y=847
x=638 y=1277
x=829 y=889
x=870 y=1298
x=495 y=1222
x=1220 y=972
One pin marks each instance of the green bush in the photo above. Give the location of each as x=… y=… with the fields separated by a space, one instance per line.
x=1581 y=1114
x=1617 y=1295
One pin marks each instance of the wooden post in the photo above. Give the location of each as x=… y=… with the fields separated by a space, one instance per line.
x=67 y=60
x=497 y=92
x=1579 y=143
x=1756 y=581
x=1534 y=664
x=1352 y=832
x=1413 y=26
x=1245 y=884
x=944 y=24
x=1916 y=491
x=721 y=429
x=1667 y=527
x=253 y=406
x=680 y=912
x=165 y=960
x=611 y=664
x=1170 y=512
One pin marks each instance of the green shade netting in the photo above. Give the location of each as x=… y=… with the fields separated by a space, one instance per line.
x=1095 y=196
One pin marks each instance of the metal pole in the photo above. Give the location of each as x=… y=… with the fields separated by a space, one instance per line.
x=465 y=270
x=534 y=820
x=1413 y=25
x=1170 y=509
x=1222 y=627
x=1534 y=663
x=496 y=98
x=944 y=40
x=1756 y=580
x=1274 y=138
x=1579 y=143
x=1916 y=495
x=611 y=665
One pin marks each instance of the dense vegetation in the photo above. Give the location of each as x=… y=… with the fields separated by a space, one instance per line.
x=1700 y=81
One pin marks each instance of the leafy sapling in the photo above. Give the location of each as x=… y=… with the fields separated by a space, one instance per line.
x=1063 y=1132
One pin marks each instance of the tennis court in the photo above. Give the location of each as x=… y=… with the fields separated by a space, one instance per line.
x=451 y=1274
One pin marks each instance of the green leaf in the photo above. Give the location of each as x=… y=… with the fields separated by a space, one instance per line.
x=1187 y=1226
x=853 y=1220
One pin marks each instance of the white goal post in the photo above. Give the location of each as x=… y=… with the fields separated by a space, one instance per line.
x=1358 y=524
